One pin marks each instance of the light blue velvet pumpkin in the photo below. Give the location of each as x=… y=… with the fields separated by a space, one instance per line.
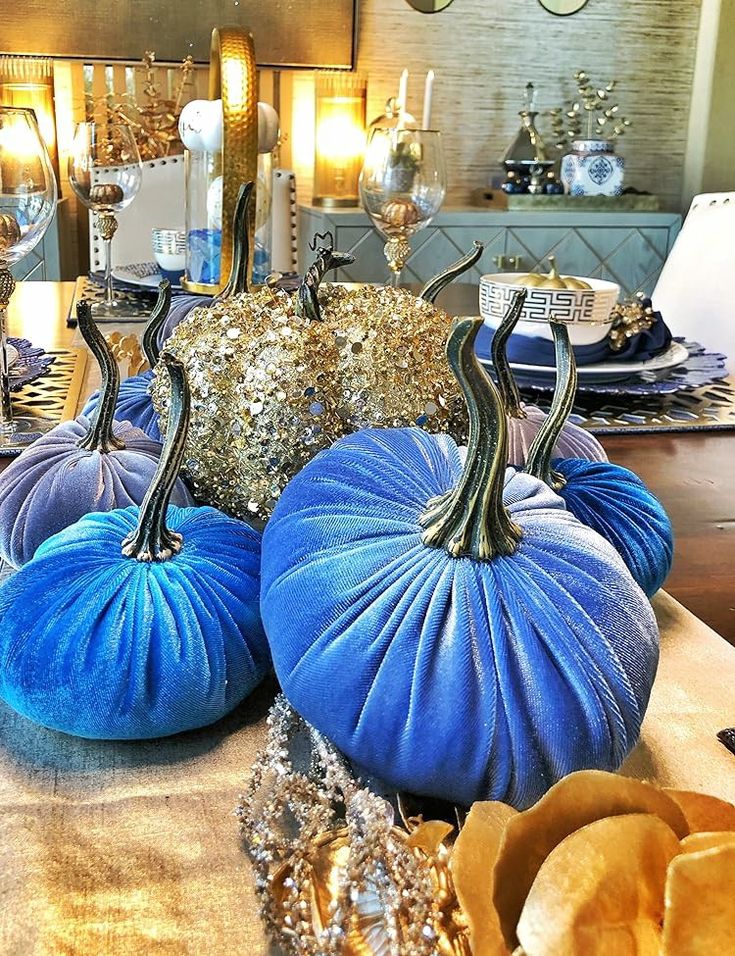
x=452 y=628
x=610 y=499
x=78 y=467
x=134 y=403
x=138 y=623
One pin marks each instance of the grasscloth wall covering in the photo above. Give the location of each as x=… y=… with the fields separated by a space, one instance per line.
x=484 y=52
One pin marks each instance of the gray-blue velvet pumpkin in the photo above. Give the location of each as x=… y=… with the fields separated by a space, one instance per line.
x=611 y=499
x=138 y=623
x=134 y=403
x=453 y=628
x=78 y=467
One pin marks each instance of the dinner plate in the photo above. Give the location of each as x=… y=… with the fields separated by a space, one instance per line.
x=145 y=275
x=674 y=355
x=12 y=354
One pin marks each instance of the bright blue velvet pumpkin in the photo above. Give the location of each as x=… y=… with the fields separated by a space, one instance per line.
x=133 y=404
x=137 y=623
x=455 y=677
x=610 y=499
x=617 y=504
x=100 y=645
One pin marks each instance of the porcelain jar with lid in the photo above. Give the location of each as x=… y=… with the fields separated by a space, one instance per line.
x=593 y=169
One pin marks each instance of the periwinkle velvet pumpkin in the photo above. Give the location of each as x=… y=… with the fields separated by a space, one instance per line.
x=138 y=623
x=524 y=421
x=453 y=629
x=611 y=499
x=78 y=467
x=134 y=402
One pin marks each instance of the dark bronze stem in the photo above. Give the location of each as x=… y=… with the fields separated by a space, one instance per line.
x=506 y=381
x=156 y=320
x=100 y=436
x=434 y=286
x=307 y=297
x=152 y=540
x=238 y=280
x=541 y=452
x=471 y=519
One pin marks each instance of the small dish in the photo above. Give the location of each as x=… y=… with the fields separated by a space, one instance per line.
x=586 y=311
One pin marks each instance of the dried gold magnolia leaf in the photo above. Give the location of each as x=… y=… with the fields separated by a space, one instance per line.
x=697 y=842
x=472 y=864
x=575 y=801
x=601 y=890
x=700 y=904
x=704 y=812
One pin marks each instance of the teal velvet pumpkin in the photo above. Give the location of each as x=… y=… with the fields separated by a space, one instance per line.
x=452 y=628
x=137 y=623
x=612 y=500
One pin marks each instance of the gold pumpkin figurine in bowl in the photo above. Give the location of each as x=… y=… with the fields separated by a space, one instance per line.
x=585 y=304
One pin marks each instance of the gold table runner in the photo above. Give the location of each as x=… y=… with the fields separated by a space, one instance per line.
x=115 y=849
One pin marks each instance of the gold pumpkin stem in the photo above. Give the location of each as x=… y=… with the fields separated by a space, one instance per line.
x=157 y=318
x=152 y=540
x=307 y=297
x=238 y=278
x=506 y=381
x=471 y=520
x=434 y=286
x=100 y=436
x=540 y=454
x=553 y=272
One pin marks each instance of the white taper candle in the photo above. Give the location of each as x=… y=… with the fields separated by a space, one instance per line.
x=428 y=93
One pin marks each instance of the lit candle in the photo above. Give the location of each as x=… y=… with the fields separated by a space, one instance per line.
x=402 y=97
x=428 y=93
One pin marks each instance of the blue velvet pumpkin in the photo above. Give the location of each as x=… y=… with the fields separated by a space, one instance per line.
x=610 y=499
x=453 y=629
x=159 y=637
x=78 y=467
x=134 y=403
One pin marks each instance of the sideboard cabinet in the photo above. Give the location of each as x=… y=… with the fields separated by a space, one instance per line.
x=625 y=247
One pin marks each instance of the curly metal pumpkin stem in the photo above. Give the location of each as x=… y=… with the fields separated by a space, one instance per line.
x=152 y=540
x=506 y=381
x=157 y=318
x=238 y=278
x=100 y=436
x=307 y=298
x=471 y=519
x=434 y=286
x=538 y=460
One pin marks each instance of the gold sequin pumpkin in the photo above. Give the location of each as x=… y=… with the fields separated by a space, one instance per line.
x=276 y=377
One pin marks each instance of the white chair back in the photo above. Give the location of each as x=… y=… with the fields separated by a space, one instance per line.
x=696 y=289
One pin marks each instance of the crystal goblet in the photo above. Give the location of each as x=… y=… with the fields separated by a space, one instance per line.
x=402 y=186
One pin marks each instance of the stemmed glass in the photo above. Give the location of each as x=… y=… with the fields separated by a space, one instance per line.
x=402 y=186
x=105 y=172
x=27 y=205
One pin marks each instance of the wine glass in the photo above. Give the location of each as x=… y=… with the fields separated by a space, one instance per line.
x=105 y=172
x=27 y=205
x=402 y=186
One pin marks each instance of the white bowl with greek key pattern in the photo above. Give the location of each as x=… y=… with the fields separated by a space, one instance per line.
x=586 y=311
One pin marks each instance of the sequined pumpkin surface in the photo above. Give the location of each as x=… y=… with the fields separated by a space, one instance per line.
x=616 y=503
x=453 y=678
x=55 y=482
x=103 y=646
x=271 y=388
x=133 y=404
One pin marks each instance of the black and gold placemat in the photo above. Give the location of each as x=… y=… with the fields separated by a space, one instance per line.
x=92 y=291
x=710 y=408
x=51 y=398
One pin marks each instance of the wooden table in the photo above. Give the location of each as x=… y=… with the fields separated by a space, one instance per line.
x=692 y=473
